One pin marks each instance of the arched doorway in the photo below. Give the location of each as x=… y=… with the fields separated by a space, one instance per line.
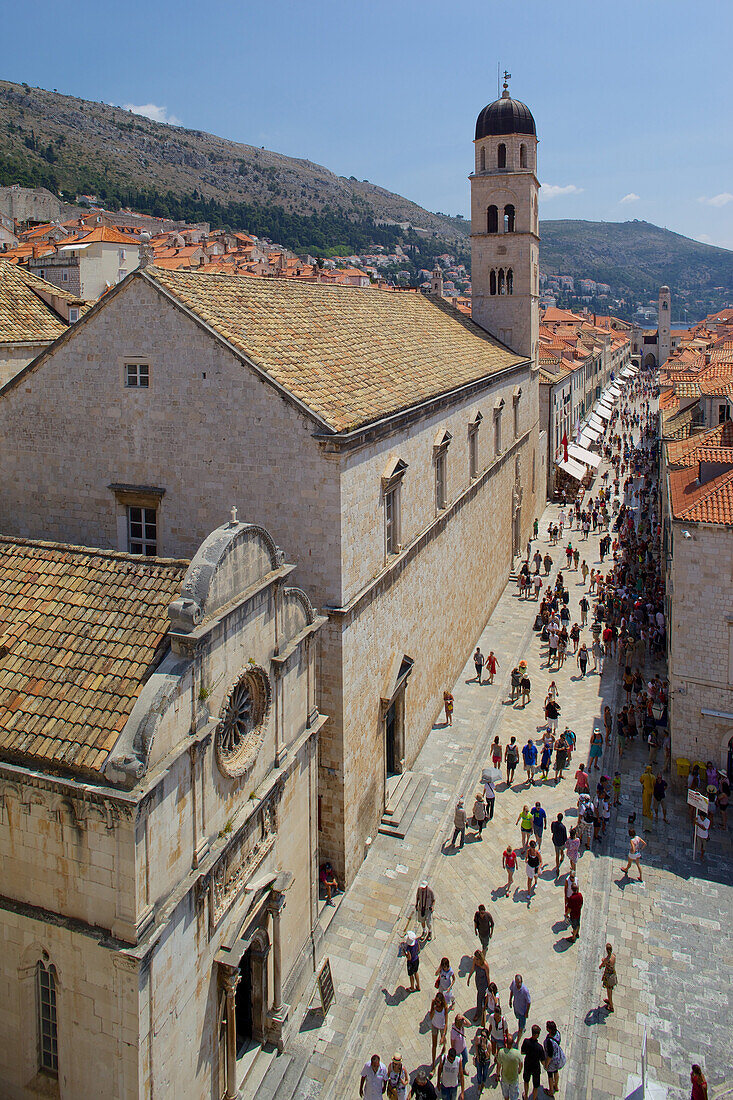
x=650 y=361
x=243 y=1001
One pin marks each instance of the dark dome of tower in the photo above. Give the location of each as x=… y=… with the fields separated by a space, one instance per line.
x=505 y=116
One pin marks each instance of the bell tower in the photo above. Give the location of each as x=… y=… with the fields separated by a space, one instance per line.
x=505 y=242
x=664 y=325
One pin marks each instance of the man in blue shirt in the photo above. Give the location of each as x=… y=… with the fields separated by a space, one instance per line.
x=529 y=752
x=539 y=817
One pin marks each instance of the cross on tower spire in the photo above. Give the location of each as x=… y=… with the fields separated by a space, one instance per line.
x=507 y=78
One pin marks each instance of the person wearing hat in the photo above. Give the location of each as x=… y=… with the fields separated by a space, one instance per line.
x=397 y=1079
x=422 y=1087
x=410 y=948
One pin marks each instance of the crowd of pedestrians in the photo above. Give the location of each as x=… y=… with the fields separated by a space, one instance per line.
x=624 y=602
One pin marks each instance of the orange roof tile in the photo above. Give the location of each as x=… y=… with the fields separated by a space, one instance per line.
x=80 y=631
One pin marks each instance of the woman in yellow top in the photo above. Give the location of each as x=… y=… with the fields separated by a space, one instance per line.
x=647 y=789
x=448 y=704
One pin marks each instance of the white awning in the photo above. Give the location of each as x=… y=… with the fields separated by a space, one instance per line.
x=582 y=455
x=596 y=424
x=615 y=391
x=627 y=372
x=634 y=370
x=573 y=468
x=75 y=247
x=608 y=396
x=588 y=438
x=604 y=412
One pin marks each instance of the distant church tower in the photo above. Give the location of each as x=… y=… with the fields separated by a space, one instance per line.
x=505 y=242
x=663 y=325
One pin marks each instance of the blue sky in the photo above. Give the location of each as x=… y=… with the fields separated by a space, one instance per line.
x=631 y=98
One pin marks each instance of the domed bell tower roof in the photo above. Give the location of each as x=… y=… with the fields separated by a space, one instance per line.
x=505 y=116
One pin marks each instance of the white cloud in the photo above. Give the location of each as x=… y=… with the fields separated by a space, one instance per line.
x=631 y=197
x=717 y=200
x=554 y=190
x=152 y=111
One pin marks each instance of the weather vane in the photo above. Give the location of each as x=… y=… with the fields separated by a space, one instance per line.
x=507 y=78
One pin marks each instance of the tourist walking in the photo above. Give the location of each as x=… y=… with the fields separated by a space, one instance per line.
x=520 y=1000
x=479 y=813
x=509 y=863
x=373 y=1079
x=438 y=1023
x=636 y=844
x=491 y=666
x=510 y=1066
x=535 y=863
x=397 y=1079
x=424 y=905
x=478 y=663
x=410 y=948
x=450 y=1075
x=596 y=750
x=699 y=1083
x=555 y=1056
x=647 y=791
x=574 y=906
x=609 y=978
x=534 y=1059
x=526 y=824
x=659 y=793
x=482 y=978
x=483 y=926
x=459 y=824
x=559 y=840
x=448 y=707
x=511 y=759
x=529 y=752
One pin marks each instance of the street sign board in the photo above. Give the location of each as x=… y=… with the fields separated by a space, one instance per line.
x=699 y=801
x=325 y=986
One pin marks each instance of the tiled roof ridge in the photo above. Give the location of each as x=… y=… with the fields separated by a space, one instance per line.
x=94 y=551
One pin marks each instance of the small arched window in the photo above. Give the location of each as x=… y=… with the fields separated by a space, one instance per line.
x=482 y=159
x=501 y=156
x=492 y=220
x=509 y=218
x=492 y=282
x=522 y=156
x=501 y=286
x=48 y=1053
x=510 y=281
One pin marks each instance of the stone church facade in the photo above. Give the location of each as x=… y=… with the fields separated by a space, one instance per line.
x=387 y=440
x=158 y=814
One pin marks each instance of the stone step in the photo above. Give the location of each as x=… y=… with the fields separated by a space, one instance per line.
x=399 y=785
x=284 y=1079
x=398 y=824
x=256 y=1064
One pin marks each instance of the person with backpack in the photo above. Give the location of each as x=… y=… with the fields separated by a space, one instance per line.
x=555 y=1056
x=529 y=752
x=511 y=759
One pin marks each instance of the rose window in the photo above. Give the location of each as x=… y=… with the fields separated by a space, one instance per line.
x=241 y=725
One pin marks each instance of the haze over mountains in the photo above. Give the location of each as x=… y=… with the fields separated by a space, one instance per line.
x=76 y=146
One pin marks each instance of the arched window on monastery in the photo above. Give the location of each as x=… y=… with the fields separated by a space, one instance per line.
x=492 y=282
x=509 y=218
x=492 y=220
x=510 y=281
x=522 y=156
x=501 y=156
x=48 y=1054
x=482 y=159
x=501 y=286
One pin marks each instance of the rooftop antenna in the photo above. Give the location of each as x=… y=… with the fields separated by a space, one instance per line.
x=498 y=80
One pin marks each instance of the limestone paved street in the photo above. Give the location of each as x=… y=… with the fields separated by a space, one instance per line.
x=672 y=935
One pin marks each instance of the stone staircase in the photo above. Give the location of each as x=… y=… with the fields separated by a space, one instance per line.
x=403 y=803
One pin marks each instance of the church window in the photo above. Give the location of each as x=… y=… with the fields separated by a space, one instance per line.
x=441 y=490
x=473 y=450
x=137 y=375
x=515 y=407
x=492 y=220
x=522 y=156
x=48 y=1054
x=497 y=432
x=492 y=282
x=482 y=159
x=392 y=520
x=501 y=155
x=509 y=218
x=510 y=281
x=665 y=305
x=240 y=732
x=142 y=531
x=500 y=284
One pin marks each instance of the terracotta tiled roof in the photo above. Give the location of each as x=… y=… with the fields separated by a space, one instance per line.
x=711 y=502
x=716 y=443
x=24 y=317
x=678 y=424
x=80 y=630
x=350 y=354
x=104 y=234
